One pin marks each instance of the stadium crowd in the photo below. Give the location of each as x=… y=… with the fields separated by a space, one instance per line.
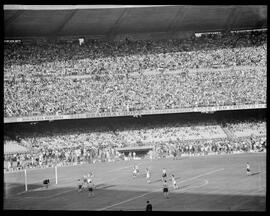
x=107 y=57
x=132 y=75
x=241 y=129
x=198 y=89
x=68 y=156
x=170 y=140
x=217 y=146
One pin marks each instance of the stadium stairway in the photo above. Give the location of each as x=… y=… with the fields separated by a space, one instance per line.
x=228 y=133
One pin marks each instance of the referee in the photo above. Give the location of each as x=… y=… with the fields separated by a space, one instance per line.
x=148 y=206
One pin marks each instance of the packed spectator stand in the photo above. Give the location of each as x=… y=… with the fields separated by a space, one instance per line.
x=88 y=144
x=101 y=76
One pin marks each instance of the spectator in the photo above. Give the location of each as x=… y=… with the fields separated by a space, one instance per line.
x=208 y=71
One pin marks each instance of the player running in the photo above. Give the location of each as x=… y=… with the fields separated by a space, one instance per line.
x=175 y=186
x=165 y=189
x=148 y=175
x=248 y=169
x=135 y=170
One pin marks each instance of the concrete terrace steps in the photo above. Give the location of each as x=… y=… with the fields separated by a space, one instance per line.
x=228 y=133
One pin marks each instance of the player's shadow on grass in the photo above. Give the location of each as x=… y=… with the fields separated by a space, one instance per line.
x=256 y=173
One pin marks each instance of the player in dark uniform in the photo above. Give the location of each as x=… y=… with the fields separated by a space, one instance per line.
x=165 y=189
x=174 y=155
x=90 y=186
x=46 y=182
x=84 y=185
x=79 y=185
x=248 y=169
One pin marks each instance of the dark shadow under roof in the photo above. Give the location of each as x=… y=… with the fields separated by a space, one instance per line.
x=87 y=20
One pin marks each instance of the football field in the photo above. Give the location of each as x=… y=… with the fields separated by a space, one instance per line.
x=207 y=183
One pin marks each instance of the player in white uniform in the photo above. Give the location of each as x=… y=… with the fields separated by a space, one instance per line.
x=175 y=186
x=248 y=169
x=137 y=169
x=90 y=173
x=148 y=175
x=134 y=171
x=89 y=178
x=164 y=174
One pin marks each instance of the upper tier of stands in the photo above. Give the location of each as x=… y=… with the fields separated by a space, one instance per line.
x=107 y=57
x=121 y=76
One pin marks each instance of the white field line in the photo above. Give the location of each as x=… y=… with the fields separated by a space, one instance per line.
x=259 y=177
x=133 y=198
x=198 y=186
x=42 y=168
x=261 y=183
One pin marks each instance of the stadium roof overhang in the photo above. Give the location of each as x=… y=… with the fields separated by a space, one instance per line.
x=85 y=20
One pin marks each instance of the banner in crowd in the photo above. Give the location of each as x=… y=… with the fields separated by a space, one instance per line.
x=132 y=113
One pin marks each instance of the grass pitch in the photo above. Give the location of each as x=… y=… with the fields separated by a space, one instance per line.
x=207 y=183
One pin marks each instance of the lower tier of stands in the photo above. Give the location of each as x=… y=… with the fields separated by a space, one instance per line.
x=85 y=144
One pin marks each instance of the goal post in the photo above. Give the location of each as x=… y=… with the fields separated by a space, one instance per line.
x=33 y=178
x=55 y=171
x=25 y=180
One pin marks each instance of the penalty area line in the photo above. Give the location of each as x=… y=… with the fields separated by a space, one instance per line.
x=133 y=198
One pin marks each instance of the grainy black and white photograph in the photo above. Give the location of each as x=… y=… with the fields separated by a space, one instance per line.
x=135 y=107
